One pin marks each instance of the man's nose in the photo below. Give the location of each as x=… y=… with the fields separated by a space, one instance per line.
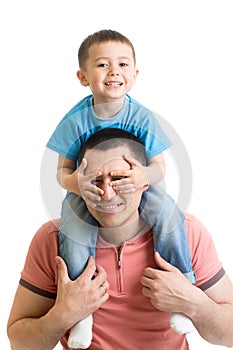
x=109 y=192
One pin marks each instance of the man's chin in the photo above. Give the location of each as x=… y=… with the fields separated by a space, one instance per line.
x=108 y=220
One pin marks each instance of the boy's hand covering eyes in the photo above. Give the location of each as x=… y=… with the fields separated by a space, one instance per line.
x=89 y=190
x=130 y=180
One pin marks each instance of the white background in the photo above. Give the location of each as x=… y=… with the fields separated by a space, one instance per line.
x=184 y=54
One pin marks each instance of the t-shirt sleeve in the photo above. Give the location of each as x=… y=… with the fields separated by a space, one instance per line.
x=65 y=139
x=152 y=135
x=205 y=260
x=39 y=272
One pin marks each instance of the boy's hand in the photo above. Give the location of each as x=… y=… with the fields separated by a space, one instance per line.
x=132 y=180
x=89 y=192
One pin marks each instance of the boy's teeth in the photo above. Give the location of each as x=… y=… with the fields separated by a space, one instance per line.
x=113 y=84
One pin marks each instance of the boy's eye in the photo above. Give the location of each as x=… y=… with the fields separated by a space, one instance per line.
x=103 y=65
x=123 y=64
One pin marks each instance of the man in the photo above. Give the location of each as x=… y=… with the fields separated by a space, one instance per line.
x=130 y=290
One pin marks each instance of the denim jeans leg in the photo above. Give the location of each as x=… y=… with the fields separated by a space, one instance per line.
x=167 y=222
x=78 y=234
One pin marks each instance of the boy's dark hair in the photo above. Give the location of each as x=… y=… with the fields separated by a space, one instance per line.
x=100 y=37
x=110 y=138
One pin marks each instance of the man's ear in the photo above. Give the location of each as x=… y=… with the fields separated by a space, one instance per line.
x=145 y=187
x=82 y=77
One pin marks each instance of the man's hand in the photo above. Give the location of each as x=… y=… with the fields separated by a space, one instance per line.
x=168 y=289
x=79 y=298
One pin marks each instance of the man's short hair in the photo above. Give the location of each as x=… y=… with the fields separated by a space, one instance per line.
x=110 y=138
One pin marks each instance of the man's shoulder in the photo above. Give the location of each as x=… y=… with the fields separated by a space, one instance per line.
x=191 y=219
x=196 y=231
x=50 y=228
x=52 y=225
x=191 y=222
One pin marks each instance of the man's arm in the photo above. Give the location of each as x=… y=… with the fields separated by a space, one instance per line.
x=211 y=311
x=213 y=317
x=29 y=325
x=38 y=323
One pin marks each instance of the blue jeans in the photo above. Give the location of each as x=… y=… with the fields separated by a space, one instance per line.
x=79 y=230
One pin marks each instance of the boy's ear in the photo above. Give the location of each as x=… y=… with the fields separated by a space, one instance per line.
x=82 y=77
x=135 y=74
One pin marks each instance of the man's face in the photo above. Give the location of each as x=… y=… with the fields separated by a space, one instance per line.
x=114 y=209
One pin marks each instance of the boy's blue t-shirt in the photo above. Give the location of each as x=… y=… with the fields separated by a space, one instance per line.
x=81 y=122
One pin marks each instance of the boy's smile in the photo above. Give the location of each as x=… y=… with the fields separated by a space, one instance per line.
x=110 y=71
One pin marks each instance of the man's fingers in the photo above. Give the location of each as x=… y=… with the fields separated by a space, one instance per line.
x=101 y=276
x=163 y=264
x=61 y=269
x=90 y=270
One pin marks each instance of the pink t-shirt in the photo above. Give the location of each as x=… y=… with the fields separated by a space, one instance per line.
x=128 y=320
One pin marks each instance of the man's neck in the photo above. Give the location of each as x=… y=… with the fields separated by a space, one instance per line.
x=118 y=235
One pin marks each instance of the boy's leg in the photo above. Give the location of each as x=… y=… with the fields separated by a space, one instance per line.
x=77 y=238
x=78 y=234
x=167 y=221
x=170 y=240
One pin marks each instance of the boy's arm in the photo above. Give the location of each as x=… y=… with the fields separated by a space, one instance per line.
x=67 y=174
x=156 y=169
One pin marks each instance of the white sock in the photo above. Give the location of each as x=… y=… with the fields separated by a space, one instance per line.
x=181 y=323
x=81 y=334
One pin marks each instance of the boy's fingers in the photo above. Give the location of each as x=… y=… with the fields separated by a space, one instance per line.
x=132 y=162
x=82 y=166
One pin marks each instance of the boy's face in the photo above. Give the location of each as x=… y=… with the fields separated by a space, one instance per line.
x=110 y=71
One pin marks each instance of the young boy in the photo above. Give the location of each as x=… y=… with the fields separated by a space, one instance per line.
x=108 y=66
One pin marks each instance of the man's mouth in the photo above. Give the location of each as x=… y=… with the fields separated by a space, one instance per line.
x=108 y=207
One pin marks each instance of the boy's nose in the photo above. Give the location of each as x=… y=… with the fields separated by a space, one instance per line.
x=113 y=71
